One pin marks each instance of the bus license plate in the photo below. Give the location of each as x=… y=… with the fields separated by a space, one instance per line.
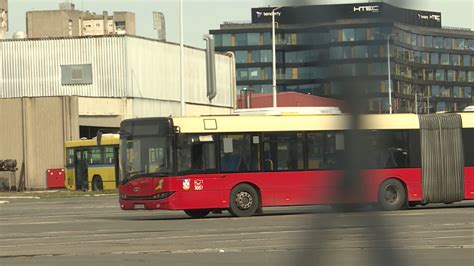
x=139 y=206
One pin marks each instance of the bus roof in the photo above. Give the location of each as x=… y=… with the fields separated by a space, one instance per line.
x=292 y=123
x=107 y=139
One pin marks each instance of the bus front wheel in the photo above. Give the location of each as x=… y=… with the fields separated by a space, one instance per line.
x=200 y=213
x=97 y=184
x=392 y=195
x=244 y=200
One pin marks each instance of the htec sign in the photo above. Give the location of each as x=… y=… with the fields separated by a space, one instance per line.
x=372 y=9
x=267 y=14
x=434 y=17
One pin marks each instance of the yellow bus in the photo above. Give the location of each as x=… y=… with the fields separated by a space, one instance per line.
x=92 y=167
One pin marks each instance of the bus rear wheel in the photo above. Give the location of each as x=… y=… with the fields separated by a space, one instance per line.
x=244 y=200
x=200 y=213
x=97 y=184
x=392 y=195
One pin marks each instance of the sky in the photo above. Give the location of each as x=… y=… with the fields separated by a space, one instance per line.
x=200 y=16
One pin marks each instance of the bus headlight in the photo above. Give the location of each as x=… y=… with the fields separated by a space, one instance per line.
x=162 y=195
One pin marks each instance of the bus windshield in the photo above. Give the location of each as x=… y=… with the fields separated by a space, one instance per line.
x=150 y=156
x=145 y=149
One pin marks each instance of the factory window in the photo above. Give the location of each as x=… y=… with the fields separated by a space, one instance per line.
x=76 y=74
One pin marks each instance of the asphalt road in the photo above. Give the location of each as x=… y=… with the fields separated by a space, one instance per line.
x=94 y=231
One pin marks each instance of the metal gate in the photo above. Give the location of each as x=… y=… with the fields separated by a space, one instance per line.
x=442 y=158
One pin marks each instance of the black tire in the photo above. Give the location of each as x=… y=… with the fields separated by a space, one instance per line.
x=244 y=200
x=392 y=195
x=97 y=184
x=199 y=213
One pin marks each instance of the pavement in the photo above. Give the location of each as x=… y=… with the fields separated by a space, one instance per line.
x=94 y=231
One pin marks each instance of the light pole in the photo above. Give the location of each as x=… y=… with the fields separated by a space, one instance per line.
x=274 y=86
x=181 y=70
x=387 y=37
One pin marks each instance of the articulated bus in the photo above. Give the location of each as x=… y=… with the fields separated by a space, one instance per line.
x=92 y=167
x=243 y=163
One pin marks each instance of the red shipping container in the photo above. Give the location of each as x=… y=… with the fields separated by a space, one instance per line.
x=55 y=178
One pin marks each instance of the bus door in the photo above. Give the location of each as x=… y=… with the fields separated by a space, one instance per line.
x=81 y=170
x=117 y=166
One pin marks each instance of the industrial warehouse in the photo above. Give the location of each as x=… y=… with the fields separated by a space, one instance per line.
x=58 y=89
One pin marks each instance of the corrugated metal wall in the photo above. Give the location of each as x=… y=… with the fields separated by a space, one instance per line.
x=32 y=68
x=153 y=70
x=122 y=66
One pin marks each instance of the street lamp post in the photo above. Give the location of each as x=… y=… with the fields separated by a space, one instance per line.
x=387 y=36
x=274 y=86
x=181 y=51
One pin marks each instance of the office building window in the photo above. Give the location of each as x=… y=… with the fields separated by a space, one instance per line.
x=335 y=52
x=361 y=52
x=470 y=44
x=242 y=74
x=348 y=35
x=460 y=44
x=440 y=106
x=267 y=38
x=467 y=92
x=265 y=56
x=360 y=34
x=458 y=92
x=428 y=41
x=255 y=55
x=434 y=58
x=438 y=42
x=254 y=73
x=435 y=90
x=450 y=75
x=241 y=39
x=461 y=76
x=440 y=73
x=448 y=43
x=253 y=38
x=424 y=57
x=226 y=40
x=470 y=76
x=429 y=74
x=445 y=59
x=454 y=59
x=240 y=57
x=466 y=60
x=267 y=72
x=347 y=52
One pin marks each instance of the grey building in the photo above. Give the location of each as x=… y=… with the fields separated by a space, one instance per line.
x=3 y=18
x=70 y=22
x=53 y=90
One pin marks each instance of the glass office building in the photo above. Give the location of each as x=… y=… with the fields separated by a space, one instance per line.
x=320 y=49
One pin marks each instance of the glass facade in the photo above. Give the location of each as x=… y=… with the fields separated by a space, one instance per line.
x=441 y=67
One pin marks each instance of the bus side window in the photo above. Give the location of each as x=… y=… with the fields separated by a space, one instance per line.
x=197 y=153
x=70 y=157
x=95 y=156
x=240 y=153
x=109 y=155
x=284 y=151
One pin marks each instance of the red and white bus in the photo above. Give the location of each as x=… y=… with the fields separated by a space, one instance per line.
x=243 y=163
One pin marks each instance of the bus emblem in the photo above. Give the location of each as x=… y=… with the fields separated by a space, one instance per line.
x=186 y=184
x=198 y=184
x=136 y=189
x=160 y=185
